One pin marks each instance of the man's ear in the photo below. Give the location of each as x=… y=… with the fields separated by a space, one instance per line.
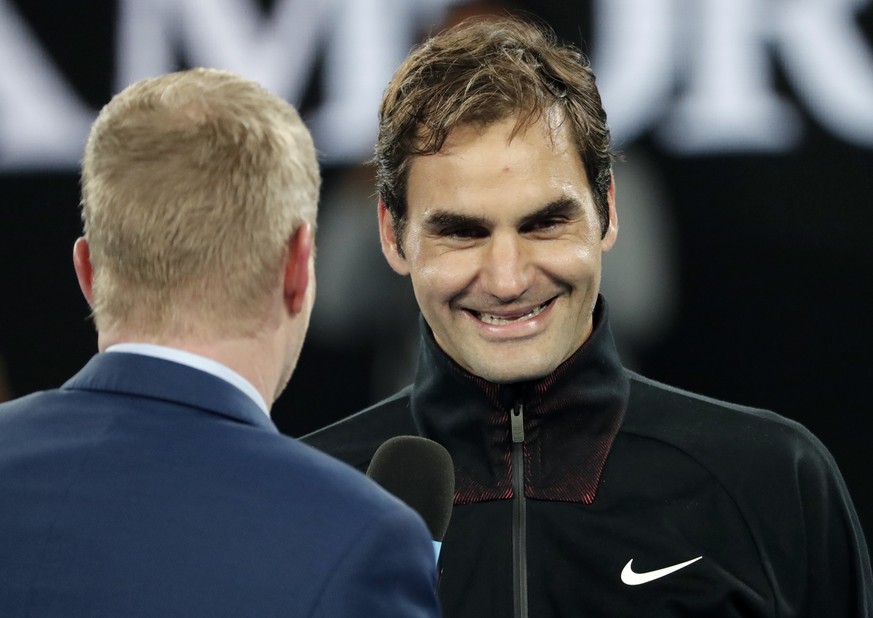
x=84 y=269
x=611 y=234
x=297 y=269
x=388 y=236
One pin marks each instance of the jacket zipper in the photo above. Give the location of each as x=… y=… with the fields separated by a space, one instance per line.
x=519 y=514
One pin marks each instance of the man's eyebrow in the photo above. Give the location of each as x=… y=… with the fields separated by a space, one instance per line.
x=564 y=207
x=441 y=219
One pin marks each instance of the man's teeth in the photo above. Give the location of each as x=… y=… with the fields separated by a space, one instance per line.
x=489 y=318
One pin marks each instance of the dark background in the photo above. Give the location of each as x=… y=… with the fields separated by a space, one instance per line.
x=768 y=296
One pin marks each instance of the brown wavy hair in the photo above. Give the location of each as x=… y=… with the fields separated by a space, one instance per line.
x=482 y=71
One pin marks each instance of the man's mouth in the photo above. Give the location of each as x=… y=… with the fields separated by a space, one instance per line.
x=499 y=320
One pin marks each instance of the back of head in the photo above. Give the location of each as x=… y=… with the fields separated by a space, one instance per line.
x=192 y=184
x=482 y=71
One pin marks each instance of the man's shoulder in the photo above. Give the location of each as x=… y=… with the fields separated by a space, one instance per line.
x=717 y=433
x=17 y=424
x=355 y=438
x=249 y=461
x=321 y=479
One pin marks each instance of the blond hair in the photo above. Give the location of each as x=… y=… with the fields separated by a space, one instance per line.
x=192 y=184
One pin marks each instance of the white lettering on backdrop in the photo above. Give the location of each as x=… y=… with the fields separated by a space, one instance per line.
x=699 y=73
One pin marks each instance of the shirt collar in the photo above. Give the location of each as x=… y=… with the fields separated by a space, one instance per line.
x=571 y=419
x=195 y=361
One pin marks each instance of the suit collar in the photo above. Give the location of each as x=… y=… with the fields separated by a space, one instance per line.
x=196 y=361
x=155 y=378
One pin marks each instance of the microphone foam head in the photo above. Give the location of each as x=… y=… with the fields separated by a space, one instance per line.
x=420 y=472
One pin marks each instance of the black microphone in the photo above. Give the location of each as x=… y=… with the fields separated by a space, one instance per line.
x=420 y=472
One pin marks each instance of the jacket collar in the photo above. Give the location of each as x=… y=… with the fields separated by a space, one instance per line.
x=155 y=378
x=571 y=418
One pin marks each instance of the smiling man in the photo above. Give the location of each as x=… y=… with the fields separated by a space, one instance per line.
x=582 y=489
x=503 y=245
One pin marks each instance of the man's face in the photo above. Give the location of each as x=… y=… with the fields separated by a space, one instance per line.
x=503 y=246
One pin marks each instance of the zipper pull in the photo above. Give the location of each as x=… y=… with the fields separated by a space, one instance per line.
x=516 y=419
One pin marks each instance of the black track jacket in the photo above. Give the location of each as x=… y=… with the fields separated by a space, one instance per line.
x=597 y=492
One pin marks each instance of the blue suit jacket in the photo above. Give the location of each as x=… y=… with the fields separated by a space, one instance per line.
x=144 y=487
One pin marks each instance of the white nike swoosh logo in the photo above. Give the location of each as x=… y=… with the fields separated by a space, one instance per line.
x=632 y=578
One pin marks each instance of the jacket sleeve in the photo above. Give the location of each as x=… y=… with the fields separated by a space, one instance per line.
x=388 y=571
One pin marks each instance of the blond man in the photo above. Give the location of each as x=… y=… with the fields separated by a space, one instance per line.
x=154 y=483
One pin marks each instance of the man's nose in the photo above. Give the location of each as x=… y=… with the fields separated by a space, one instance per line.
x=506 y=273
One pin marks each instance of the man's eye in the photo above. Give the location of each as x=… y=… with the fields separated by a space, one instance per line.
x=542 y=225
x=464 y=232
